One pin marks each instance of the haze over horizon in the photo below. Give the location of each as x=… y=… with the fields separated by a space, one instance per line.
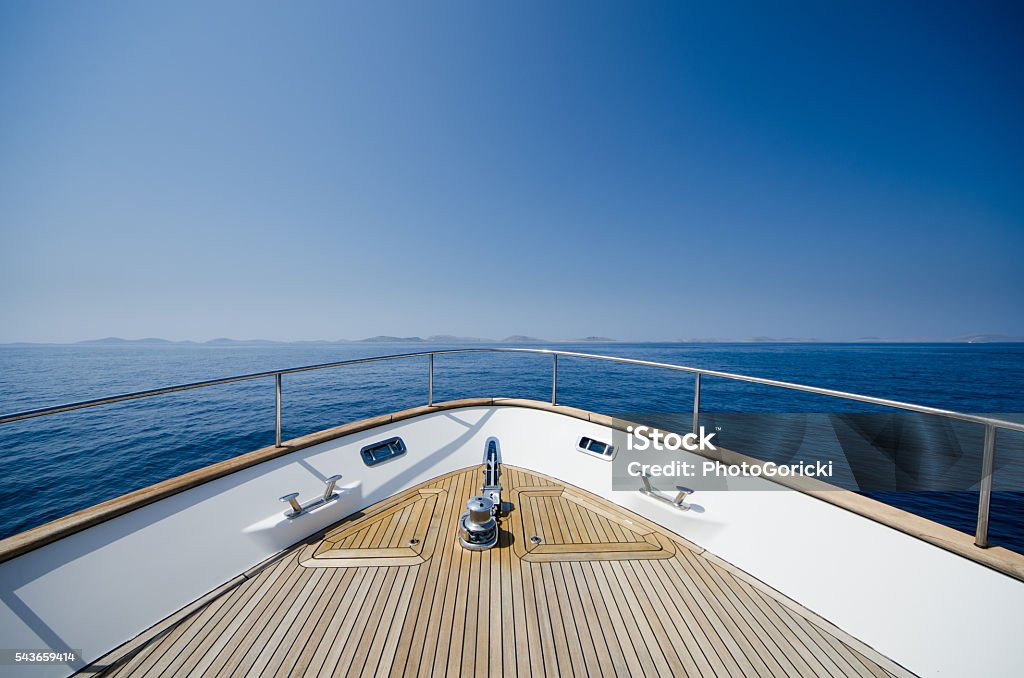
x=294 y=172
x=522 y=339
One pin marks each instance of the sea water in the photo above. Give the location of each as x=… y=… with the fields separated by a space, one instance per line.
x=55 y=465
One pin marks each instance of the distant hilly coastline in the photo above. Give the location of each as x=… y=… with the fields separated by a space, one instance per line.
x=524 y=339
x=379 y=339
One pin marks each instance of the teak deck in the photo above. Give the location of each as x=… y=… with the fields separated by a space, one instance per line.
x=389 y=592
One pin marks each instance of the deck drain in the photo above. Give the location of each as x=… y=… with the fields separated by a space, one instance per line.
x=535 y=539
x=414 y=541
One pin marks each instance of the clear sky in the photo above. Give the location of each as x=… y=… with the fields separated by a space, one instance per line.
x=325 y=170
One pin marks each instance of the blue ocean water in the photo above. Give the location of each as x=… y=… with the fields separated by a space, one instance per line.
x=55 y=465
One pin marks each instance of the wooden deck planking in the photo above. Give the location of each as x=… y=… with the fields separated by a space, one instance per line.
x=598 y=596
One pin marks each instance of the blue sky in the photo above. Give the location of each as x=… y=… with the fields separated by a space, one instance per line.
x=635 y=170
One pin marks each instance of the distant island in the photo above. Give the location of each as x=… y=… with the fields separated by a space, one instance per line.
x=379 y=339
x=525 y=339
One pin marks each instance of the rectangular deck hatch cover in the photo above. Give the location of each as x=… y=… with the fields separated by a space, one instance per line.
x=378 y=453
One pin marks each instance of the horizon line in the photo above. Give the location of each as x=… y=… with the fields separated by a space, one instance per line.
x=522 y=339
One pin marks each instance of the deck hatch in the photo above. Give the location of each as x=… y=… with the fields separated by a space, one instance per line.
x=378 y=453
x=596 y=447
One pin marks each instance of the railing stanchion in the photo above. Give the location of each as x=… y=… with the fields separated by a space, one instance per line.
x=430 y=380
x=696 y=402
x=554 y=378
x=988 y=457
x=277 y=408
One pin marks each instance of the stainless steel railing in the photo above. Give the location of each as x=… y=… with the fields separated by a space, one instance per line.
x=988 y=451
